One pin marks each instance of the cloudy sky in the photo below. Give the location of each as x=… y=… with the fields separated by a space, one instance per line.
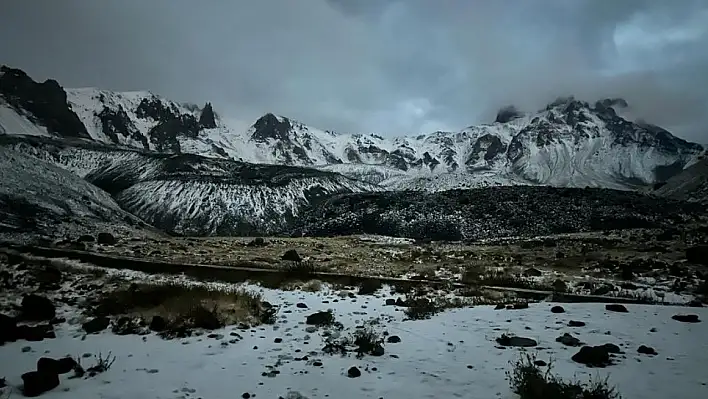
x=385 y=66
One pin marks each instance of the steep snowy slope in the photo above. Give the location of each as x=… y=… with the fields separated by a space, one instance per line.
x=189 y=194
x=38 y=198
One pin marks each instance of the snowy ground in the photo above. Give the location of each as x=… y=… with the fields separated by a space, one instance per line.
x=451 y=355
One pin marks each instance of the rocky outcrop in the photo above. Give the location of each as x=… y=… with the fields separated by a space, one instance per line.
x=45 y=102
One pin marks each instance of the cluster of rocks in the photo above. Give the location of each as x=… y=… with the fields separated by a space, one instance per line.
x=590 y=355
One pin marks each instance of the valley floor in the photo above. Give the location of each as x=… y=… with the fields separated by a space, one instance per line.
x=453 y=354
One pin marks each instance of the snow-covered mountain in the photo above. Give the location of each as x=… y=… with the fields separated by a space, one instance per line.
x=570 y=143
x=189 y=194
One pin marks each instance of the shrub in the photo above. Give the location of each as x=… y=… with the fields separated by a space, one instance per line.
x=364 y=341
x=530 y=382
x=300 y=269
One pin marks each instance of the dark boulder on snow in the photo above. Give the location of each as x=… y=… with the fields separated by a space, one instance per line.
x=56 y=366
x=615 y=307
x=557 y=309
x=647 y=350
x=95 y=325
x=37 y=308
x=320 y=319
x=576 y=323
x=36 y=383
x=568 y=340
x=353 y=372
x=686 y=318
x=506 y=340
x=593 y=356
x=8 y=329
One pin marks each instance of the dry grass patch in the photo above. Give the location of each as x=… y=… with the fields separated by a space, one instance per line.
x=186 y=307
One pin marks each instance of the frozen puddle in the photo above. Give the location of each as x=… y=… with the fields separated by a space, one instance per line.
x=451 y=355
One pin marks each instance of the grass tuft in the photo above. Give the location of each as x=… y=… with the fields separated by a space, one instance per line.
x=529 y=381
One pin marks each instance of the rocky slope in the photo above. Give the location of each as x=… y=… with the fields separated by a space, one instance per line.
x=492 y=212
x=691 y=184
x=39 y=199
x=190 y=194
x=570 y=143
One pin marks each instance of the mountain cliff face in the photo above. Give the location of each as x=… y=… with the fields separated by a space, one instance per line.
x=569 y=143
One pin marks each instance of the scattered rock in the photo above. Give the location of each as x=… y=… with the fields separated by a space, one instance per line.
x=35 y=333
x=257 y=242
x=278 y=340
x=301 y=305
x=557 y=309
x=37 y=308
x=54 y=366
x=500 y=306
x=593 y=356
x=520 y=305
x=575 y=323
x=612 y=348
x=36 y=383
x=686 y=318
x=96 y=325
x=320 y=319
x=8 y=329
x=310 y=329
x=26 y=349
x=393 y=339
x=532 y=272
x=540 y=363
x=353 y=372
x=616 y=307
x=86 y=238
x=291 y=255
x=647 y=350
x=390 y=302
x=568 y=340
x=158 y=323
x=506 y=340
x=106 y=239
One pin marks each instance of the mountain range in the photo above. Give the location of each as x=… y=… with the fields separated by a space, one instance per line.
x=187 y=169
x=569 y=143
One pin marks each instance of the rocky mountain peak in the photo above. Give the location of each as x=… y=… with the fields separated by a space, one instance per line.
x=270 y=127
x=45 y=102
x=207 y=119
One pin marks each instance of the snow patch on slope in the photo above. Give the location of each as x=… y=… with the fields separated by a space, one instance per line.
x=12 y=122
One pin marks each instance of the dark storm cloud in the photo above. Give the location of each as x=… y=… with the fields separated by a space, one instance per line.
x=389 y=66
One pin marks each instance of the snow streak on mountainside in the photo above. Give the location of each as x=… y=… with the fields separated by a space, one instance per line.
x=39 y=198
x=189 y=194
x=570 y=143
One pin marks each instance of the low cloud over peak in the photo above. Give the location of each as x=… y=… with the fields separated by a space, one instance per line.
x=386 y=66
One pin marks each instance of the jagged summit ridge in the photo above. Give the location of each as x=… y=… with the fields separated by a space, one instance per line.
x=568 y=143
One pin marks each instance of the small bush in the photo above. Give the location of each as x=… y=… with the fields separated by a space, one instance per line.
x=300 y=269
x=364 y=341
x=369 y=286
x=502 y=279
x=420 y=308
x=530 y=382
